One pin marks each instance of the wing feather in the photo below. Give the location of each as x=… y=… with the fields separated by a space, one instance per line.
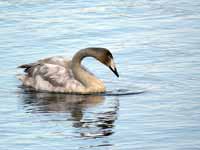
x=54 y=74
x=51 y=74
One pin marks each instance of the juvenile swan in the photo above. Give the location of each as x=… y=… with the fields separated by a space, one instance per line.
x=57 y=74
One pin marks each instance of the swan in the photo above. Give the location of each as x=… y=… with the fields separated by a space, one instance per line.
x=57 y=74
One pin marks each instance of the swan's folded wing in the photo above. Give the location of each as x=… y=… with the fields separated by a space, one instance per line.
x=54 y=74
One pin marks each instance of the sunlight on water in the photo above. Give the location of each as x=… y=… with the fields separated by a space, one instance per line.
x=153 y=105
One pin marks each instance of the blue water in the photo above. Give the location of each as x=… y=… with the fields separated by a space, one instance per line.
x=156 y=46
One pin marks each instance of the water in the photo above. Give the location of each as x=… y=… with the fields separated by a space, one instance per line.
x=156 y=45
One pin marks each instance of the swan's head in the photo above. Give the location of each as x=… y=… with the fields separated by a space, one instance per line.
x=105 y=57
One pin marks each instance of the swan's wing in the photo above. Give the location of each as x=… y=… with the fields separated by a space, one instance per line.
x=54 y=74
x=50 y=73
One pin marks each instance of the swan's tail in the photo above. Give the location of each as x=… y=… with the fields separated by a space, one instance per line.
x=26 y=80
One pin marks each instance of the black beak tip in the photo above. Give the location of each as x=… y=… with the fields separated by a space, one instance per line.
x=117 y=75
x=114 y=71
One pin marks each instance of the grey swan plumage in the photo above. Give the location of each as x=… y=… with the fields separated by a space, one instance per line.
x=57 y=74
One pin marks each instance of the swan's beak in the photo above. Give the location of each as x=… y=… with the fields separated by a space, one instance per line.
x=113 y=68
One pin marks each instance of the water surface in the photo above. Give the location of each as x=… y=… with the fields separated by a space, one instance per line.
x=156 y=47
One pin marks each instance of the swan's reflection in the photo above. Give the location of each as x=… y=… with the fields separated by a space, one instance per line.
x=97 y=122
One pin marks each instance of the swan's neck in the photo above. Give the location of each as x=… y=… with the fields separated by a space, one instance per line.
x=90 y=82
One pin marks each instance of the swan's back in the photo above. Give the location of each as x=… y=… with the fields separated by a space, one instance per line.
x=51 y=74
